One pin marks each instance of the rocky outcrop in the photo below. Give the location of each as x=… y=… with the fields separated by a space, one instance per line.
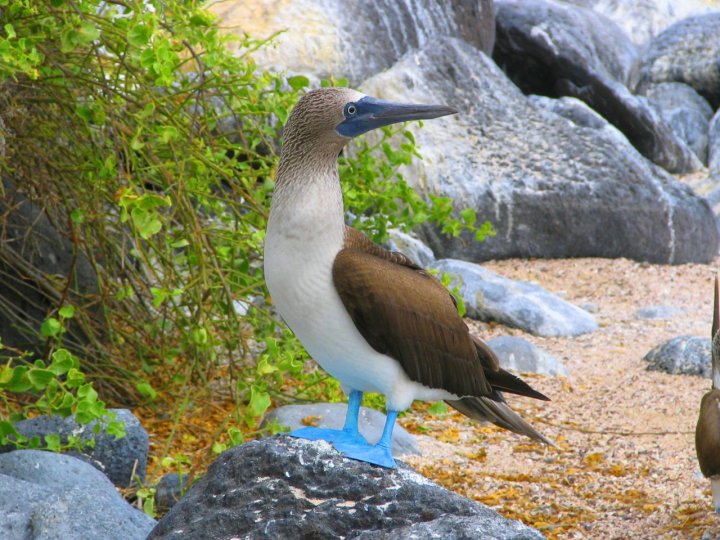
x=520 y=304
x=45 y=496
x=642 y=20
x=686 y=52
x=123 y=460
x=685 y=111
x=687 y=355
x=550 y=188
x=555 y=49
x=355 y=40
x=283 y=487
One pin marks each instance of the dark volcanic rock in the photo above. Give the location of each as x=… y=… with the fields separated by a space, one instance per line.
x=550 y=188
x=31 y=249
x=685 y=111
x=556 y=49
x=323 y=38
x=687 y=355
x=686 y=52
x=119 y=459
x=291 y=488
x=169 y=490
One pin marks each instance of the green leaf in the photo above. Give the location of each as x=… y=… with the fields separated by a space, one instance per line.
x=40 y=378
x=87 y=33
x=259 y=402
x=139 y=35
x=53 y=442
x=19 y=381
x=439 y=408
x=67 y=312
x=10 y=31
x=62 y=362
x=298 y=81
x=146 y=390
x=51 y=327
x=77 y=216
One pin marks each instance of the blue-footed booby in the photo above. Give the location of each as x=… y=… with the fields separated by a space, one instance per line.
x=707 y=432
x=370 y=317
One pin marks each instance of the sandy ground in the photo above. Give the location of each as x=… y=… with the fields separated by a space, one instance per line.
x=625 y=466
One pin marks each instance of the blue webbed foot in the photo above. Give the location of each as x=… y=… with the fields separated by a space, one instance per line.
x=378 y=454
x=330 y=435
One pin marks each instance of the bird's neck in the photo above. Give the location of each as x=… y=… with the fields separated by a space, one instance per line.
x=307 y=198
x=715 y=353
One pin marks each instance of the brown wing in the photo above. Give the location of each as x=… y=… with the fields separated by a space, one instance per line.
x=407 y=314
x=707 y=434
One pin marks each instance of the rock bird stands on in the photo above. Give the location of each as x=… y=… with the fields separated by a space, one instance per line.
x=707 y=432
x=370 y=317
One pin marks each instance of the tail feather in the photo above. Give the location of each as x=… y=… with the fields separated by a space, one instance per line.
x=499 y=413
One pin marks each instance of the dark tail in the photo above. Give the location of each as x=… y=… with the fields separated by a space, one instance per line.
x=499 y=413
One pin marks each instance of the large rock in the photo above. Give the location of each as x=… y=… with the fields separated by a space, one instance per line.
x=518 y=354
x=549 y=187
x=36 y=262
x=685 y=111
x=332 y=416
x=687 y=355
x=644 y=19
x=686 y=52
x=45 y=496
x=545 y=30
x=520 y=304
x=556 y=49
x=124 y=461
x=714 y=146
x=324 y=38
x=291 y=488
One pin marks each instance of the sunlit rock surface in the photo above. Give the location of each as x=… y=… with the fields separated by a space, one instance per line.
x=550 y=187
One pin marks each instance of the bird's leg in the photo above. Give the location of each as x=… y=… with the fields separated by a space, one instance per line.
x=349 y=434
x=380 y=453
x=715 y=485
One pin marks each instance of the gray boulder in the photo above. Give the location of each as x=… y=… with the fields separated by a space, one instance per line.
x=518 y=354
x=557 y=49
x=46 y=496
x=687 y=355
x=411 y=246
x=686 y=52
x=169 y=490
x=549 y=187
x=520 y=304
x=714 y=146
x=34 y=257
x=685 y=111
x=644 y=19
x=283 y=487
x=332 y=416
x=547 y=30
x=355 y=40
x=119 y=459
x=658 y=312
x=570 y=108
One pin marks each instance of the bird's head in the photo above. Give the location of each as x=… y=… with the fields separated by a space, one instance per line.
x=333 y=116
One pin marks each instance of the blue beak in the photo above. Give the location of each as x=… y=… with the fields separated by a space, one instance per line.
x=369 y=113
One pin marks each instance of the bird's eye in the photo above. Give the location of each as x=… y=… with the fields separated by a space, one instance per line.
x=351 y=109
